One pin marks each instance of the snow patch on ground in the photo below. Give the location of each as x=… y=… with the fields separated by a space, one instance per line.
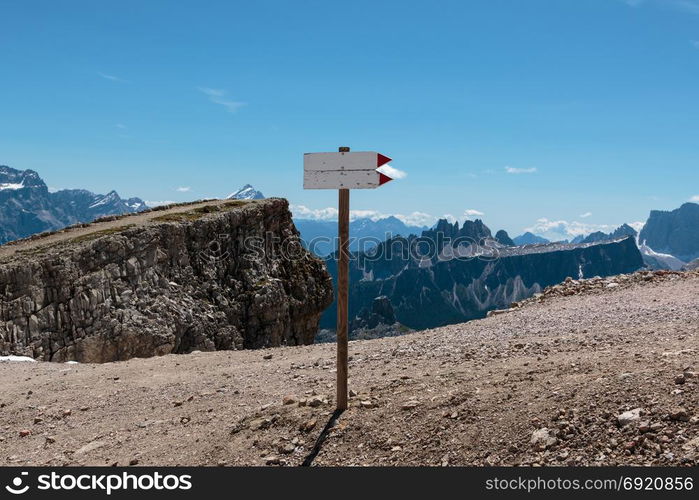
x=17 y=359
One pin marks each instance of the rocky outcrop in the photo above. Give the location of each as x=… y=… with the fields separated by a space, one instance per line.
x=217 y=275
x=675 y=233
x=379 y=312
x=504 y=238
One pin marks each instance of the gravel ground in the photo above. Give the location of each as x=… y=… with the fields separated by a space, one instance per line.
x=601 y=372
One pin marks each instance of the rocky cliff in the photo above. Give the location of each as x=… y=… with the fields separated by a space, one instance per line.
x=675 y=232
x=207 y=276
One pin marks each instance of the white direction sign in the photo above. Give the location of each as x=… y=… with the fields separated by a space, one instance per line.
x=345 y=170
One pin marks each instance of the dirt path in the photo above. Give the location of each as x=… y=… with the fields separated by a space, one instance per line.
x=473 y=393
x=136 y=219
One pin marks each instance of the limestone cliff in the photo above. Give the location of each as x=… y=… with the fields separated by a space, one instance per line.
x=213 y=275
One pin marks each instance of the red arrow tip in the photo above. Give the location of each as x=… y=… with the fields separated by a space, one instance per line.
x=383 y=179
x=381 y=160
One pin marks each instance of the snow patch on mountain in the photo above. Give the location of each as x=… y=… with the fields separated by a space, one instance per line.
x=247 y=192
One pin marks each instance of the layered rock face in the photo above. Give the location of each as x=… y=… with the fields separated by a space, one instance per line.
x=218 y=275
x=675 y=233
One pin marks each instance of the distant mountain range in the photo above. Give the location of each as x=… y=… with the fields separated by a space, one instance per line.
x=452 y=274
x=668 y=240
x=320 y=236
x=27 y=207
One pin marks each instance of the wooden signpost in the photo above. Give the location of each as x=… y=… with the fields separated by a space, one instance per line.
x=343 y=171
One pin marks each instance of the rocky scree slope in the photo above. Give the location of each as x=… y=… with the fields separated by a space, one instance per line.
x=592 y=372
x=165 y=281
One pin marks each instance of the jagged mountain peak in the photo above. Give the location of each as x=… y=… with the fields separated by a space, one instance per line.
x=247 y=192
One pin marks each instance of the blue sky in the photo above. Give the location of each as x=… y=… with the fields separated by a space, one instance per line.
x=571 y=115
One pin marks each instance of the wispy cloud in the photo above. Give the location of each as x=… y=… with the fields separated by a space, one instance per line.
x=121 y=126
x=514 y=170
x=392 y=172
x=695 y=43
x=472 y=212
x=218 y=96
x=183 y=189
x=585 y=215
x=695 y=198
x=112 y=77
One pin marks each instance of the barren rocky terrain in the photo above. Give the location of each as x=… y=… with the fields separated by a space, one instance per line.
x=600 y=372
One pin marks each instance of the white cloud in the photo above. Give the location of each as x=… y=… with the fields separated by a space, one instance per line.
x=417 y=219
x=472 y=212
x=365 y=214
x=695 y=43
x=392 y=172
x=638 y=225
x=695 y=198
x=218 y=96
x=121 y=126
x=450 y=218
x=585 y=215
x=514 y=170
x=183 y=189
x=303 y=212
x=564 y=230
x=112 y=77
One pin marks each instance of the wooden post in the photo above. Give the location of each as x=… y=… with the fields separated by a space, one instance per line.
x=342 y=292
